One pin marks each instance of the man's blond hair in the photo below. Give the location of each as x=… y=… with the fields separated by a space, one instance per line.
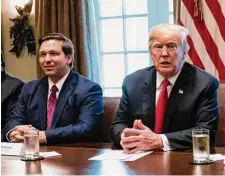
x=177 y=30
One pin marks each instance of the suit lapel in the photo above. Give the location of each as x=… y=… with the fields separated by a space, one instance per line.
x=42 y=97
x=148 y=98
x=65 y=92
x=178 y=91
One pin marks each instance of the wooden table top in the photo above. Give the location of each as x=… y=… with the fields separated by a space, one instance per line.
x=74 y=161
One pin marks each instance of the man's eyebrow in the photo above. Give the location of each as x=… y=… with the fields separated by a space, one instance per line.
x=172 y=43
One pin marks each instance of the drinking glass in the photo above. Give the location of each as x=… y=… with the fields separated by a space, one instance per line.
x=201 y=146
x=31 y=145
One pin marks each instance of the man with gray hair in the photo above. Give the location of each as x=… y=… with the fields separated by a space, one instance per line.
x=65 y=106
x=162 y=104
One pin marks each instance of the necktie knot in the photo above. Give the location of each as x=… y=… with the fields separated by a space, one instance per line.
x=165 y=83
x=54 y=89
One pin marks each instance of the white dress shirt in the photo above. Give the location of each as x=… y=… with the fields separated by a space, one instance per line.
x=172 y=80
x=59 y=85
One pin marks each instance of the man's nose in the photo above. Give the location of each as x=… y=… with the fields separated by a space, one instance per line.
x=47 y=58
x=164 y=51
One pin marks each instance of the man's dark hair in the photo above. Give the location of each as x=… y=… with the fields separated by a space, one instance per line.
x=67 y=46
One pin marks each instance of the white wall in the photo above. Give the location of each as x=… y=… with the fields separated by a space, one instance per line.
x=25 y=66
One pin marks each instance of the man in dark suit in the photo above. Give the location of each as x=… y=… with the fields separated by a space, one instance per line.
x=162 y=104
x=10 y=90
x=63 y=105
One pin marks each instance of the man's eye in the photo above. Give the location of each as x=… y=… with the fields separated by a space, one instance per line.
x=171 y=46
x=54 y=54
x=158 y=46
x=42 y=54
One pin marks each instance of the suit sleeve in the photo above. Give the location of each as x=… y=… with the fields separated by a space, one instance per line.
x=88 y=125
x=206 y=117
x=122 y=117
x=18 y=115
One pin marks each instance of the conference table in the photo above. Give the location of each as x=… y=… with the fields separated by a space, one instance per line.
x=74 y=161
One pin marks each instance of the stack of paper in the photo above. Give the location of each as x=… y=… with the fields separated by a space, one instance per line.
x=120 y=155
x=216 y=157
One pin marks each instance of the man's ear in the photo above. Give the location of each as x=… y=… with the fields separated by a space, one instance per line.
x=69 y=59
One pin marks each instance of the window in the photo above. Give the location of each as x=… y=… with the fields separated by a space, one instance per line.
x=123 y=27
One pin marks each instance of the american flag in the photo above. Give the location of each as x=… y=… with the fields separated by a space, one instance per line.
x=205 y=20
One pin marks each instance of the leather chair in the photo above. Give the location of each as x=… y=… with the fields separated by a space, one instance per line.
x=220 y=136
x=110 y=107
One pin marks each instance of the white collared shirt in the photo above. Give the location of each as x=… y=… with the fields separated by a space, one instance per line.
x=172 y=80
x=59 y=85
x=159 y=79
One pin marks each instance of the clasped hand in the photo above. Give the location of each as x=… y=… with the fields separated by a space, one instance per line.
x=139 y=138
x=17 y=134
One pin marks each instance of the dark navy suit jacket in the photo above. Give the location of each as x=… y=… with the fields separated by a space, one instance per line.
x=77 y=112
x=192 y=104
x=10 y=89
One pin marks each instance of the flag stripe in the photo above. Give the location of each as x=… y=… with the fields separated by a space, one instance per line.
x=213 y=29
x=216 y=10
x=194 y=55
x=209 y=43
x=197 y=41
x=188 y=59
x=222 y=5
x=195 y=58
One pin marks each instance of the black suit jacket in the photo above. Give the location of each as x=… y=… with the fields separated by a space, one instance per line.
x=192 y=104
x=77 y=113
x=10 y=90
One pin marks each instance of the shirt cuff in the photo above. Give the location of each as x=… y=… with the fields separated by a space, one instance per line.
x=166 y=144
x=7 y=135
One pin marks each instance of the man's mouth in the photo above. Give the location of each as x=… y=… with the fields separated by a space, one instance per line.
x=165 y=63
x=48 y=68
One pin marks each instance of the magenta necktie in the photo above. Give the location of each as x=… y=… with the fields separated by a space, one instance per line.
x=51 y=105
x=160 y=107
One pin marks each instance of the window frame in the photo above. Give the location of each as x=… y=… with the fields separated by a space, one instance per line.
x=154 y=9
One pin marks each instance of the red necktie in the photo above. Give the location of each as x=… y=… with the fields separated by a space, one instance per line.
x=160 y=107
x=51 y=105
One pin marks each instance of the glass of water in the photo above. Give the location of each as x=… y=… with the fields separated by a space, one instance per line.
x=201 y=146
x=31 y=145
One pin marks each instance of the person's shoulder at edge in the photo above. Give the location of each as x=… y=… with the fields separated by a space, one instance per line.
x=12 y=77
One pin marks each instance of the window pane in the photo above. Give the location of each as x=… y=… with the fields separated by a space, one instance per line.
x=112 y=35
x=112 y=93
x=137 y=33
x=170 y=5
x=133 y=7
x=113 y=70
x=171 y=20
x=111 y=8
x=137 y=61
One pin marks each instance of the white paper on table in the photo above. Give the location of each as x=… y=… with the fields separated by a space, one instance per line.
x=49 y=154
x=120 y=155
x=11 y=149
x=216 y=157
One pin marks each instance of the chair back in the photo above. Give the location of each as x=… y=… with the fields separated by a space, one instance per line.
x=110 y=107
x=220 y=135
